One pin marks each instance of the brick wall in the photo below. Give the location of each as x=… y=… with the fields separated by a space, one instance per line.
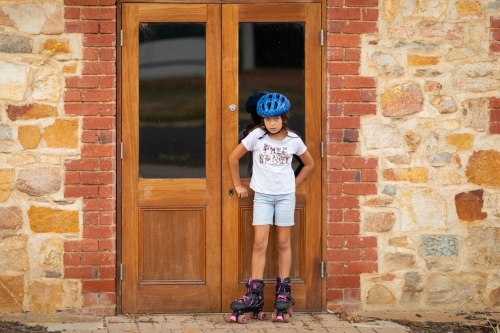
x=349 y=176
x=92 y=95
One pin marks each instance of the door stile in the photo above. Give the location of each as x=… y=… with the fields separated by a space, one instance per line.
x=130 y=65
x=230 y=226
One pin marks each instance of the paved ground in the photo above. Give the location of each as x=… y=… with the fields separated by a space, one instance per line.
x=194 y=323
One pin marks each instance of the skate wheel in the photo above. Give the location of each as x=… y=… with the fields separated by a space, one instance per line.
x=286 y=318
x=242 y=319
x=273 y=316
x=262 y=316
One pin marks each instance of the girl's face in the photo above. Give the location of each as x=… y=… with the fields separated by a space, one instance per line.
x=273 y=124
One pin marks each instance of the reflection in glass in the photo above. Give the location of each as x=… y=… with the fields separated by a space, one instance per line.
x=271 y=58
x=172 y=100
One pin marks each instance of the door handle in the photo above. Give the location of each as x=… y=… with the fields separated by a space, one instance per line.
x=231 y=192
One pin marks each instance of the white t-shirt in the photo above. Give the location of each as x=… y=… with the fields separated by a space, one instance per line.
x=272 y=171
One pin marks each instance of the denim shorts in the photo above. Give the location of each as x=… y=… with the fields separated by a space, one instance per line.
x=281 y=206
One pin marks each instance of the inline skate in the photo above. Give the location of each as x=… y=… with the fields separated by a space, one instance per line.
x=283 y=312
x=253 y=301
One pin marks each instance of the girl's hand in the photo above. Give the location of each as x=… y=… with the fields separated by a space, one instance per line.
x=241 y=190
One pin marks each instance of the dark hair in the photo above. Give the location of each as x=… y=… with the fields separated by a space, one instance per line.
x=284 y=119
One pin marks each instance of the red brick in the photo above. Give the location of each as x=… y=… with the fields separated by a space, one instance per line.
x=107 y=2
x=107 y=81
x=334 y=162
x=495 y=47
x=341 y=176
x=334 y=189
x=83 y=245
x=353 y=294
x=360 y=267
x=82 y=82
x=344 y=95
x=82 y=164
x=495 y=34
x=343 y=202
x=78 y=272
x=107 y=109
x=360 y=188
x=352 y=55
x=107 y=272
x=71 y=13
x=90 y=136
x=98 y=68
x=357 y=27
x=99 y=40
x=368 y=175
x=95 y=123
x=87 y=109
x=495 y=128
x=98 y=258
x=343 y=14
x=90 y=299
x=99 y=14
x=334 y=241
x=350 y=136
x=343 y=122
x=345 y=148
x=72 y=178
x=359 y=82
x=333 y=54
x=90 y=53
x=495 y=22
x=359 y=241
x=98 y=285
x=335 y=135
x=334 y=109
x=343 y=228
x=494 y=102
x=335 y=3
x=359 y=109
x=335 y=27
x=72 y=96
x=107 y=54
x=335 y=82
x=342 y=254
x=107 y=298
x=97 y=150
x=71 y=259
x=99 y=204
x=107 y=28
x=368 y=95
x=345 y=281
x=82 y=27
x=108 y=164
x=343 y=68
x=90 y=218
x=107 y=245
x=361 y=3
x=81 y=191
x=334 y=215
x=99 y=95
x=80 y=2
x=495 y=115
x=369 y=254
x=352 y=215
x=107 y=192
x=343 y=40
x=356 y=162
x=334 y=295
x=369 y=14
x=95 y=178
x=107 y=136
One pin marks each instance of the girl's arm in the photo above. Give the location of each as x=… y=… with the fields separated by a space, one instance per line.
x=306 y=169
x=234 y=166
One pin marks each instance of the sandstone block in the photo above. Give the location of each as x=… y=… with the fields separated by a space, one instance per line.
x=483 y=168
x=483 y=246
x=389 y=190
x=414 y=175
x=47 y=84
x=465 y=8
x=461 y=141
x=441 y=29
x=39 y=181
x=476 y=113
x=45 y=297
x=62 y=134
x=13 y=254
x=495 y=297
x=54 y=46
x=11 y=218
x=29 y=136
x=13 y=81
x=22 y=159
x=379 y=136
x=46 y=257
x=387 y=64
x=469 y=206
x=33 y=17
x=440 y=158
x=451 y=289
x=439 y=245
x=424 y=8
x=6 y=132
x=379 y=294
x=381 y=201
x=417 y=60
x=399 y=159
x=401 y=241
x=446 y=177
x=379 y=221
x=390 y=9
x=11 y=293
x=403 y=99
x=14 y=43
x=6 y=183
x=422 y=209
x=413 y=139
x=476 y=77
x=31 y=111
x=430 y=86
x=395 y=261
x=44 y=219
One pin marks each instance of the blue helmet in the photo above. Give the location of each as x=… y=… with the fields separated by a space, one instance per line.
x=273 y=104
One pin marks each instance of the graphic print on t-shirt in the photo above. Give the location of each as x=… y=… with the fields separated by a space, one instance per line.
x=274 y=155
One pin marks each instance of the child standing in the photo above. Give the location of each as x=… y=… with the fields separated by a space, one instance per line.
x=272 y=145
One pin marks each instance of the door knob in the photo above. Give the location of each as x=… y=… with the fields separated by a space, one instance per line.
x=232 y=107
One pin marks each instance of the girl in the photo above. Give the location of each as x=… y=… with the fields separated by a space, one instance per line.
x=272 y=145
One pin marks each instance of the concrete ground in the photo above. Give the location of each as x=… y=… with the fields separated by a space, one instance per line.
x=194 y=323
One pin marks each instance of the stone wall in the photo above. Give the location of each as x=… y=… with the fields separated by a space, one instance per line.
x=57 y=167
x=434 y=135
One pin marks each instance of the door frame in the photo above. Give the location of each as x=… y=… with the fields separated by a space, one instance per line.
x=119 y=96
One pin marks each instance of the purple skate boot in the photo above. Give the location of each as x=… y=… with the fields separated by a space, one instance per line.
x=283 y=310
x=253 y=301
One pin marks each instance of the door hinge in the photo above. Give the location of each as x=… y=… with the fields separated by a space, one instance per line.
x=322 y=269
x=121 y=150
x=121 y=272
x=121 y=37
x=322 y=37
x=322 y=149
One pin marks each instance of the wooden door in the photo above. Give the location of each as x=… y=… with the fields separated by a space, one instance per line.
x=171 y=174
x=272 y=47
x=186 y=242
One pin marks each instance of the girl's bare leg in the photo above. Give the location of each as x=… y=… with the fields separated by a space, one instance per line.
x=260 y=240
x=283 y=235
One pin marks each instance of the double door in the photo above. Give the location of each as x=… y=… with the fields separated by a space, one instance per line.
x=187 y=70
